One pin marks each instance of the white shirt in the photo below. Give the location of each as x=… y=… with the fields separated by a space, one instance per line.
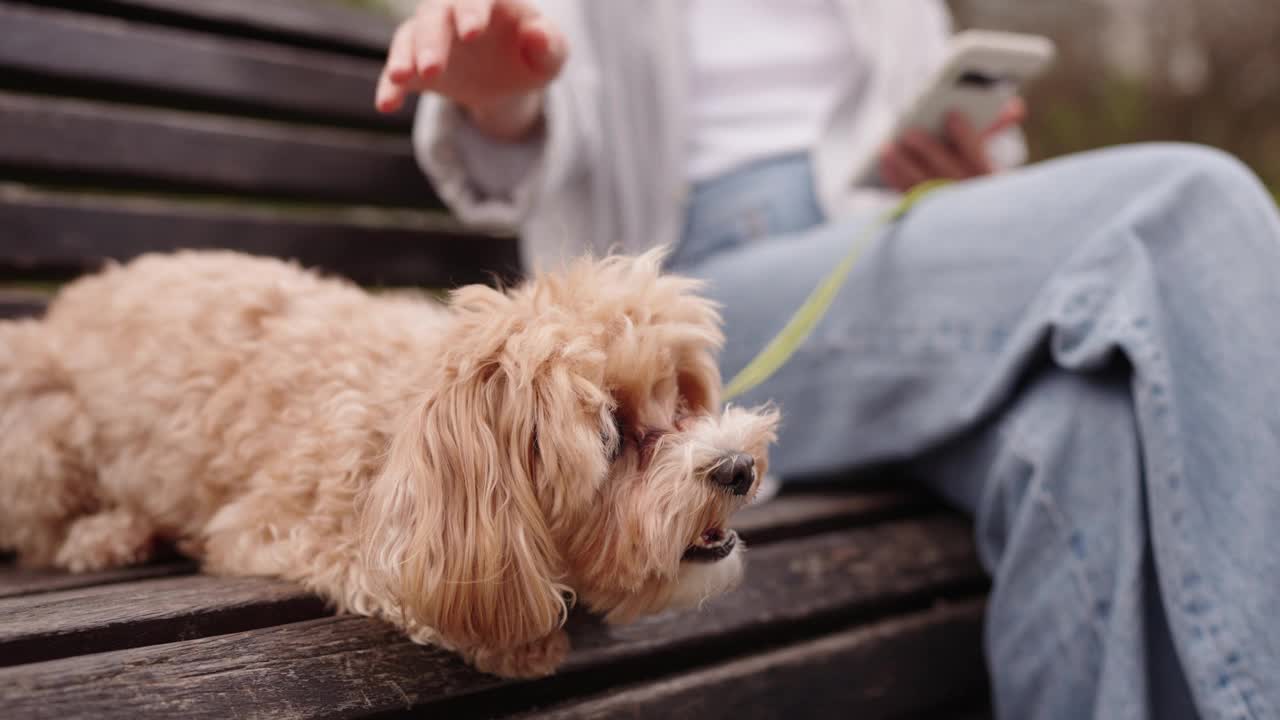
x=763 y=76
x=610 y=170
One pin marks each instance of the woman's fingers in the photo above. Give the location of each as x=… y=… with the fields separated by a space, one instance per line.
x=542 y=46
x=900 y=170
x=464 y=49
x=433 y=37
x=389 y=96
x=471 y=17
x=918 y=156
x=889 y=172
x=968 y=144
x=935 y=158
x=398 y=70
x=400 y=62
x=1014 y=113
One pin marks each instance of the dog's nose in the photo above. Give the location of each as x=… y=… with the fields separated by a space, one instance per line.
x=736 y=472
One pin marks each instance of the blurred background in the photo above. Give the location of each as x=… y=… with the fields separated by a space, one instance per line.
x=1204 y=71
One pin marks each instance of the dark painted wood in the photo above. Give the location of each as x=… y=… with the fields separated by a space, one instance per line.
x=833 y=577
x=304 y=22
x=110 y=617
x=979 y=714
x=20 y=303
x=16 y=582
x=106 y=612
x=902 y=666
x=333 y=668
x=57 y=235
x=347 y=667
x=97 y=143
x=93 y=55
x=801 y=512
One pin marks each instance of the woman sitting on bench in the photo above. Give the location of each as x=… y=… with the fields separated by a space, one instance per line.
x=1080 y=353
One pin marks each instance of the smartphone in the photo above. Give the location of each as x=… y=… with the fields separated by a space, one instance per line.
x=984 y=69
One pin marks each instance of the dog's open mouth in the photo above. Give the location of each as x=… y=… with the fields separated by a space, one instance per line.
x=714 y=544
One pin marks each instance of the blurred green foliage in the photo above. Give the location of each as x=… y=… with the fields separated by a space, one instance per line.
x=377 y=5
x=1198 y=71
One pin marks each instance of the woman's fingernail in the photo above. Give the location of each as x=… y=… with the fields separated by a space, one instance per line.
x=468 y=26
x=428 y=65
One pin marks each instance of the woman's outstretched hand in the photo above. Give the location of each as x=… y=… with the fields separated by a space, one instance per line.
x=491 y=57
x=916 y=156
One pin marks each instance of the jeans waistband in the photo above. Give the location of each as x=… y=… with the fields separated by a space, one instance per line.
x=767 y=198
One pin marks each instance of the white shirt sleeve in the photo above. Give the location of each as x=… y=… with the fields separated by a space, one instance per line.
x=491 y=182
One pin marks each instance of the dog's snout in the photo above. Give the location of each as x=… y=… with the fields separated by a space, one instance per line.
x=736 y=472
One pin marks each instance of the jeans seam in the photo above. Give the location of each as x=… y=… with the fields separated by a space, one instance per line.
x=1143 y=347
x=1079 y=571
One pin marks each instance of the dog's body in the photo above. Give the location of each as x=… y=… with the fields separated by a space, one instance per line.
x=459 y=471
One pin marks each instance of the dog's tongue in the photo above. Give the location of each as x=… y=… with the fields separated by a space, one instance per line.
x=715 y=543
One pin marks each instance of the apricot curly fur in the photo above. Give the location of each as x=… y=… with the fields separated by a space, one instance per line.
x=463 y=470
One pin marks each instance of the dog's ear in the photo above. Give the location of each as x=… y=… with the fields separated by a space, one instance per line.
x=453 y=527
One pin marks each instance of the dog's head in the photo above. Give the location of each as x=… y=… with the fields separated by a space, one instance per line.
x=571 y=444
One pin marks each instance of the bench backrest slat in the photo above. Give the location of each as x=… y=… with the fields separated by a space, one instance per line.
x=111 y=58
x=58 y=235
x=169 y=150
x=129 y=126
x=295 y=22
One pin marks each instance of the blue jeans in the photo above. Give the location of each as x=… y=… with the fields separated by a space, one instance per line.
x=1084 y=355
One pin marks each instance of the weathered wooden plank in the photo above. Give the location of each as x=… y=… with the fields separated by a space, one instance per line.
x=104 y=143
x=812 y=580
x=111 y=617
x=21 y=581
x=805 y=512
x=156 y=65
x=100 y=616
x=20 y=303
x=902 y=666
x=345 y=667
x=303 y=22
x=61 y=234
x=967 y=714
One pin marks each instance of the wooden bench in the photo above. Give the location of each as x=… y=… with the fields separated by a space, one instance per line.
x=129 y=126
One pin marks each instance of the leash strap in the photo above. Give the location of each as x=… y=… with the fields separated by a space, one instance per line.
x=815 y=307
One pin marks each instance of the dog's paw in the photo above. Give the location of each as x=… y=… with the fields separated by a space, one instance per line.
x=537 y=659
x=103 y=541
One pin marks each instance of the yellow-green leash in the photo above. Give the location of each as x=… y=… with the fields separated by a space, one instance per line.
x=806 y=318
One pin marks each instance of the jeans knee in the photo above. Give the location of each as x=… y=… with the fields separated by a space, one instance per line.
x=1186 y=168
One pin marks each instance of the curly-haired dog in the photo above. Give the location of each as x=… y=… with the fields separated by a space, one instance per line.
x=463 y=471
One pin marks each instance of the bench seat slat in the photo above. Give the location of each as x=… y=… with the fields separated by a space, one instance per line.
x=102 y=142
x=806 y=512
x=225 y=73
x=903 y=666
x=97 y=613
x=63 y=234
x=110 y=617
x=347 y=666
x=16 y=582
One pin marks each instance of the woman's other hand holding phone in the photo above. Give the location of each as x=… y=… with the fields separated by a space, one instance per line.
x=917 y=156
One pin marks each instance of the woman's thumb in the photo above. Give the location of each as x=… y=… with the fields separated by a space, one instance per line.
x=1014 y=113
